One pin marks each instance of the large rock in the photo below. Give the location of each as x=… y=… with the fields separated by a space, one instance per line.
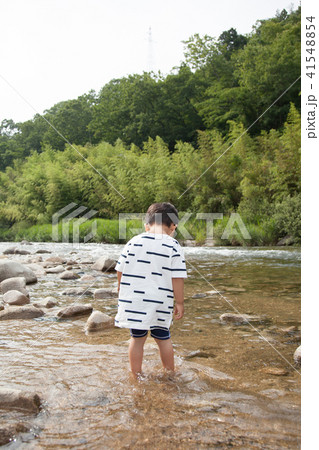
x=297 y=356
x=36 y=268
x=56 y=269
x=15 y=298
x=48 y=302
x=55 y=260
x=104 y=293
x=77 y=291
x=14 y=284
x=239 y=318
x=104 y=264
x=16 y=399
x=68 y=275
x=10 y=269
x=20 y=312
x=16 y=251
x=99 y=321
x=75 y=310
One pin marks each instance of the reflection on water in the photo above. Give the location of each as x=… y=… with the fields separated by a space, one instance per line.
x=223 y=394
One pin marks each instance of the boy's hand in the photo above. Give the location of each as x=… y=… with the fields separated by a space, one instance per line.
x=179 y=311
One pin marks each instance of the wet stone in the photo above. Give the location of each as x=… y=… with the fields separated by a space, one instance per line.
x=21 y=312
x=297 y=356
x=77 y=291
x=15 y=298
x=104 y=293
x=277 y=371
x=14 y=284
x=104 y=264
x=74 y=311
x=239 y=318
x=68 y=275
x=99 y=321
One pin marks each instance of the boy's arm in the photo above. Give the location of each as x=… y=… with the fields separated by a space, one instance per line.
x=119 y=276
x=178 y=288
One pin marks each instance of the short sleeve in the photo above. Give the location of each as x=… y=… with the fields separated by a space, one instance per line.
x=121 y=261
x=178 y=266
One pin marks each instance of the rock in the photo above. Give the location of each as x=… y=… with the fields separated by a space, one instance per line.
x=239 y=318
x=287 y=240
x=43 y=251
x=1 y=307
x=10 y=251
x=104 y=293
x=200 y=354
x=48 y=302
x=297 y=356
x=36 y=268
x=11 y=269
x=87 y=278
x=25 y=242
x=214 y=292
x=74 y=310
x=68 y=275
x=8 y=432
x=99 y=321
x=34 y=259
x=274 y=371
x=199 y=295
x=55 y=260
x=15 y=298
x=20 y=312
x=56 y=269
x=104 y=264
x=16 y=399
x=77 y=291
x=16 y=251
x=14 y=284
x=71 y=262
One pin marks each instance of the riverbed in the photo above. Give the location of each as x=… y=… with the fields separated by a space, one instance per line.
x=235 y=385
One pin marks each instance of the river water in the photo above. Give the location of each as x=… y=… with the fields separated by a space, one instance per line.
x=235 y=385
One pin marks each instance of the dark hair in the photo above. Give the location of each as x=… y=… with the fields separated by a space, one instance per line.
x=162 y=213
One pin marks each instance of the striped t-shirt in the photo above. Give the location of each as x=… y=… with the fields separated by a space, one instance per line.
x=148 y=263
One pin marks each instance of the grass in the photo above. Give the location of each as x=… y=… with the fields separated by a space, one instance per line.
x=108 y=231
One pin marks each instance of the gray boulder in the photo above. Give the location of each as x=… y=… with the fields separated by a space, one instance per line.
x=104 y=293
x=68 y=275
x=56 y=269
x=104 y=264
x=77 y=291
x=75 y=310
x=14 y=284
x=55 y=260
x=16 y=251
x=48 y=302
x=10 y=269
x=20 y=312
x=15 y=298
x=20 y=400
x=99 y=321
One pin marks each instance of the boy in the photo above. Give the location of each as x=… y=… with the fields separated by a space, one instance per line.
x=150 y=273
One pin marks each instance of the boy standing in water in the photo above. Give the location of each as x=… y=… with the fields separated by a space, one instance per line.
x=150 y=273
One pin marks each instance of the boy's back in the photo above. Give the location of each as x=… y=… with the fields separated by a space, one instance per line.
x=148 y=263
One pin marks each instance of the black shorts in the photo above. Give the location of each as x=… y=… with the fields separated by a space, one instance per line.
x=156 y=332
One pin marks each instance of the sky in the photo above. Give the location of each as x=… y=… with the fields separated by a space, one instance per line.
x=56 y=50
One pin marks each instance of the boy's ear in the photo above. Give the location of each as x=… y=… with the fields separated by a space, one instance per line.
x=146 y=226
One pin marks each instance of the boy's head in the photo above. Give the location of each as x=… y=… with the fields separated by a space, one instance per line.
x=162 y=214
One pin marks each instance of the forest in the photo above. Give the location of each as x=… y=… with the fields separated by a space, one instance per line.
x=219 y=134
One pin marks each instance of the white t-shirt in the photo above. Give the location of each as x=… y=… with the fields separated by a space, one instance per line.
x=148 y=263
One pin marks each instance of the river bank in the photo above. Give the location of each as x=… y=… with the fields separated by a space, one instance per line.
x=236 y=384
x=225 y=232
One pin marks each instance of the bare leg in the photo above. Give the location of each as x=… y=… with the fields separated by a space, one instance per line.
x=135 y=352
x=166 y=353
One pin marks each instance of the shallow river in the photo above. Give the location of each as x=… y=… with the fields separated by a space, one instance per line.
x=225 y=392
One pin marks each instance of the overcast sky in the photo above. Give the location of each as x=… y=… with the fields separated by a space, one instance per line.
x=54 y=50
